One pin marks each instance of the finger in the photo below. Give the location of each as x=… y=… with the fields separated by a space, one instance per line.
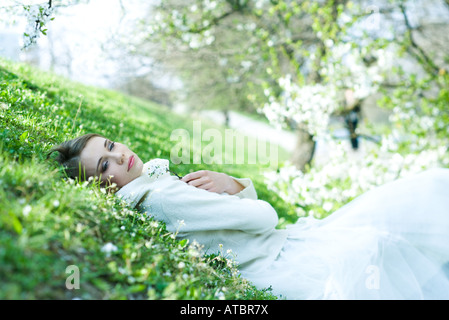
x=198 y=182
x=193 y=175
x=207 y=186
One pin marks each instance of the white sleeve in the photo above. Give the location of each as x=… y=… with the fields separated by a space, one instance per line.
x=249 y=192
x=201 y=210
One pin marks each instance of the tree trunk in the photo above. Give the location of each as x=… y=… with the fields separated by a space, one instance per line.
x=226 y=117
x=304 y=151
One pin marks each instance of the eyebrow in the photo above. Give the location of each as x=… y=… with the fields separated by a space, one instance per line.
x=99 y=160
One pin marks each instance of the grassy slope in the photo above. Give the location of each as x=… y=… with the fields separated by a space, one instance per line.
x=47 y=224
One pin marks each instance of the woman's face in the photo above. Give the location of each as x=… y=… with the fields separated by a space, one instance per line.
x=110 y=161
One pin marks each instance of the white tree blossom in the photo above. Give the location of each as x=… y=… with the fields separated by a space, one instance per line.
x=309 y=105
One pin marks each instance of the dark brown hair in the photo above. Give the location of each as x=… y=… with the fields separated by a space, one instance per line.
x=69 y=155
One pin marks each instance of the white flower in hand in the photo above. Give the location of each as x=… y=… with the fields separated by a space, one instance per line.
x=158 y=167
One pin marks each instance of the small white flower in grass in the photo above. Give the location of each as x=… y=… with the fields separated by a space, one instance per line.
x=122 y=270
x=220 y=295
x=26 y=210
x=108 y=248
x=56 y=203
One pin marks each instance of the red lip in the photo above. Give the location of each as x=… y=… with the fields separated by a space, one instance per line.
x=130 y=162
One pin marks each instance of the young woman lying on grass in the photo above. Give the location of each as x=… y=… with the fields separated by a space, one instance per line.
x=390 y=243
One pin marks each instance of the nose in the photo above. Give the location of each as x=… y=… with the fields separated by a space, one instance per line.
x=119 y=157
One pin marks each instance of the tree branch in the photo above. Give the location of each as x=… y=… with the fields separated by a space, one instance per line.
x=422 y=56
x=214 y=21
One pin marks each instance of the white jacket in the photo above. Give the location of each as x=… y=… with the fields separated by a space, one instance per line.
x=239 y=222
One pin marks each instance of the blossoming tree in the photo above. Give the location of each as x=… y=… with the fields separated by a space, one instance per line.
x=302 y=64
x=37 y=14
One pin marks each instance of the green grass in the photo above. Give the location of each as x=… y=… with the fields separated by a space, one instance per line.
x=48 y=223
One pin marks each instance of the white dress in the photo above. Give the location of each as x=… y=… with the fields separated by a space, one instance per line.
x=390 y=243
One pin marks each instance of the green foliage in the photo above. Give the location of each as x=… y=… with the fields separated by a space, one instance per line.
x=48 y=223
x=241 y=47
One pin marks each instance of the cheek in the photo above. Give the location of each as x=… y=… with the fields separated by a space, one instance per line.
x=120 y=178
x=114 y=176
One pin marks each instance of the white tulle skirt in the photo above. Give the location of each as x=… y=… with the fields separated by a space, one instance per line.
x=390 y=243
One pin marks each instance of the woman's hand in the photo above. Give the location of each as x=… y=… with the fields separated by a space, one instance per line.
x=213 y=181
